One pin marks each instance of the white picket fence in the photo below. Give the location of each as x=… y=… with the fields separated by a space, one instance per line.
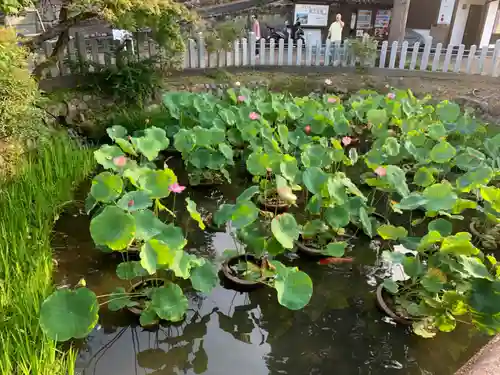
x=248 y=52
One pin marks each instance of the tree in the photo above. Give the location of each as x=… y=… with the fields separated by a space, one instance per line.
x=165 y=19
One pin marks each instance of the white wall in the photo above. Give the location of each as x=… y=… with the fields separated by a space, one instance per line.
x=489 y=22
x=461 y=16
x=424 y=32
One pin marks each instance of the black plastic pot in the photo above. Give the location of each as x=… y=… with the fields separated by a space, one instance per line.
x=267 y=206
x=235 y=281
x=311 y=251
x=382 y=299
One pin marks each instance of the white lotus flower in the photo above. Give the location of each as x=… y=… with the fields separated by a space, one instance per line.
x=237 y=84
x=328 y=82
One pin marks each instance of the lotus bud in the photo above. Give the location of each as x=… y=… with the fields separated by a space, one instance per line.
x=286 y=194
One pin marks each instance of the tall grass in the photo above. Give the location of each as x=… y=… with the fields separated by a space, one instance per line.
x=28 y=205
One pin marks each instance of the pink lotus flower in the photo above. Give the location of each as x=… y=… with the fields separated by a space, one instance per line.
x=307 y=129
x=346 y=141
x=131 y=203
x=380 y=171
x=176 y=188
x=332 y=100
x=241 y=98
x=391 y=96
x=120 y=161
x=253 y=116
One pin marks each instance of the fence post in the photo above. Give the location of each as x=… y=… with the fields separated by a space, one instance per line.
x=427 y=51
x=404 y=52
x=281 y=51
x=470 y=58
x=298 y=61
x=482 y=58
x=252 y=45
x=236 y=53
x=458 y=62
x=262 y=58
x=383 y=54
x=201 y=51
x=317 y=57
x=272 y=47
x=394 y=53
x=414 y=56
x=244 y=48
x=495 y=60
x=437 y=57
x=192 y=53
x=81 y=51
x=328 y=49
x=308 y=50
x=447 y=58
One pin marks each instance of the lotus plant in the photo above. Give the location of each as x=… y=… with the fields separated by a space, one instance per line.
x=130 y=196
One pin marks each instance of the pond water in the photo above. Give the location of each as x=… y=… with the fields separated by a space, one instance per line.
x=230 y=332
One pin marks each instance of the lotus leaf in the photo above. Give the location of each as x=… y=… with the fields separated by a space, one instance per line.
x=113 y=227
x=147 y=225
x=335 y=249
x=337 y=217
x=106 y=187
x=397 y=179
x=204 y=278
x=314 y=179
x=130 y=270
x=444 y=227
x=285 y=229
x=424 y=177
x=119 y=299
x=134 y=201
x=106 y=155
x=68 y=314
x=153 y=141
x=390 y=232
x=157 y=182
x=244 y=214
x=440 y=197
x=459 y=244
x=294 y=287
x=169 y=302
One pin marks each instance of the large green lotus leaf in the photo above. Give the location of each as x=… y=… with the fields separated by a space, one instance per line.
x=285 y=229
x=437 y=131
x=293 y=111
x=377 y=116
x=244 y=213
x=433 y=282
x=413 y=267
x=68 y=314
x=208 y=137
x=445 y=322
x=157 y=183
x=443 y=226
x=106 y=187
x=440 y=197
x=315 y=156
x=459 y=244
x=204 y=278
x=315 y=204
x=248 y=194
x=227 y=151
x=336 y=189
x=391 y=146
x=184 y=141
x=337 y=217
x=462 y=205
x=341 y=124
x=336 y=151
x=491 y=194
x=169 y=302
x=149 y=258
x=133 y=173
x=448 y=112
x=423 y=329
x=313 y=227
x=130 y=270
x=443 y=152
x=475 y=179
x=116 y=131
x=181 y=263
x=283 y=134
x=134 y=201
x=424 y=177
x=294 y=287
x=257 y=163
x=350 y=186
x=366 y=223
x=428 y=240
x=172 y=237
x=126 y=146
x=335 y=249
x=223 y=214
x=147 y=225
x=474 y=267
x=113 y=227
x=119 y=299
x=193 y=212
x=153 y=141
x=397 y=179
x=411 y=202
x=106 y=154
x=390 y=232
x=314 y=179
x=469 y=159
x=289 y=168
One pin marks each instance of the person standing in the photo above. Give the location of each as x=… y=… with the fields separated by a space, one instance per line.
x=335 y=37
x=256 y=31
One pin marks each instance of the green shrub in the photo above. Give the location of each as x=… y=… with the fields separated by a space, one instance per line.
x=18 y=90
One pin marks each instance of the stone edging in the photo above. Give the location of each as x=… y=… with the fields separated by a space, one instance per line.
x=485 y=362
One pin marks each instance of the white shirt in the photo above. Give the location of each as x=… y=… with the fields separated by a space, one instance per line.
x=335 y=32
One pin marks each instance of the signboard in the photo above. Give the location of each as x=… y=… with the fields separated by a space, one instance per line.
x=382 y=18
x=311 y=15
x=446 y=12
x=364 y=19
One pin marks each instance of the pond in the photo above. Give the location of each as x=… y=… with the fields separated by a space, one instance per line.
x=230 y=332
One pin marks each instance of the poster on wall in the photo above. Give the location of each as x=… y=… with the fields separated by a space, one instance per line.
x=364 y=19
x=446 y=12
x=311 y=15
x=382 y=18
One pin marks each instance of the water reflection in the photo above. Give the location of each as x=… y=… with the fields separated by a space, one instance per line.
x=230 y=333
